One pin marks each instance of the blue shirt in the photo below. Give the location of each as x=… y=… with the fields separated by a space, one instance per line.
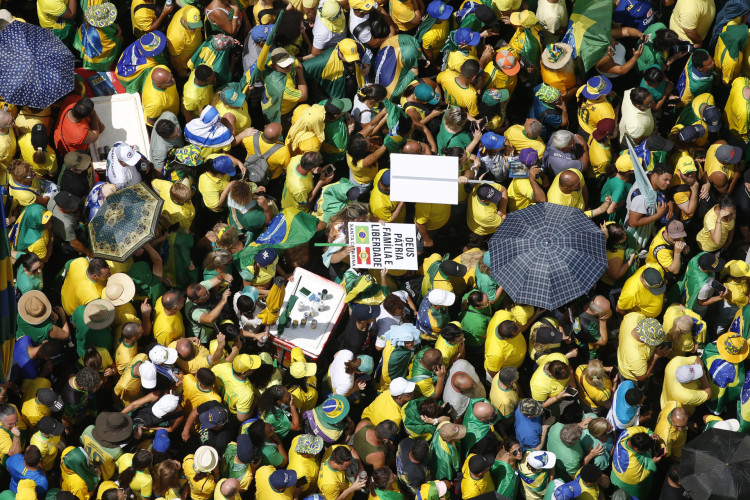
x=528 y=430
x=18 y=471
x=633 y=14
x=23 y=366
x=625 y=412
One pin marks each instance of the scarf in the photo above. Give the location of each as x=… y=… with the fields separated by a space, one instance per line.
x=91 y=41
x=208 y=131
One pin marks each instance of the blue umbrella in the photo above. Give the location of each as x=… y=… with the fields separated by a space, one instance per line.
x=547 y=255
x=36 y=68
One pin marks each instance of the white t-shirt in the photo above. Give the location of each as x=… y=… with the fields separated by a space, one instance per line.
x=385 y=321
x=460 y=402
x=341 y=381
x=366 y=34
x=552 y=16
x=634 y=123
x=323 y=37
x=360 y=112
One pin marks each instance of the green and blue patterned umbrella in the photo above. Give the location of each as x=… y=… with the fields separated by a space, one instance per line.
x=125 y=222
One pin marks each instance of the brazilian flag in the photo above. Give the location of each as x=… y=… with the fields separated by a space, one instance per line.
x=363 y=235
x=7 y=303
x=290 y=228
x=589 y=30
x=397 y=56
x=327 y=69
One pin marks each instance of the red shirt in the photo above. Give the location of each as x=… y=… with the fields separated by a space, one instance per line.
x=69 y=136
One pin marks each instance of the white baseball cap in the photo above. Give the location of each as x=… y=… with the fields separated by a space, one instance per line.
x=165 y=405
x=161 y=355
x=728 y=425
x=688 y=373
x=400 y=385
x=148 y=374
x=127 y=155
x=541 y=460
x=439 y=297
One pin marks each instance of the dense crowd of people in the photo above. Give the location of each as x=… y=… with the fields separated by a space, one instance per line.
x=158 y=377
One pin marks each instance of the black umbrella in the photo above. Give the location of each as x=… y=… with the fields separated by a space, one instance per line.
x=547 y=255
x=716 y=466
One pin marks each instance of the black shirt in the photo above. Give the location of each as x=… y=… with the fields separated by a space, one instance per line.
x=742 y=202
x=669 y=492
x=353 y=338
x=411 y=474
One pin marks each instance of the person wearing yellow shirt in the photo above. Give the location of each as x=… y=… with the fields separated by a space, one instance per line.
x=235 y=389
x=593 y=105
x=457 y=86
x=485 y=212
x=143 y=16
x=504 y=345
x=671 y=427
x=721 y=167
x=429 y=218
x=524 y=136
x=502 y=71
x=213 y=183
x=406 y=14
x=736 y=109
x=266 y=140
x=127 y=349
x=388 y=405
x=667 y=246
x=36 y=151
x=550 y=379
x=201 y=472
x=476 y=477
x=686 y=383
x=303 y=459
x=525 y=191
x=232 y=102
x=168 y=325
x=332 y=481
x=178 y=207
x=47 y=439
x=600 y=148
x=134 y=378
x=58 y=16
x=643 y=292
x=133 y=469
x=84 y=281
x=381 y=205
x=640 y=346
x=159 y=94
x=569 y=189
x=40 y=406
x=184 y=36
x=718 y=226
x=685 y=184
x=691 y=19
x=363 y=161
x=433 y=38
x=298 y=187
x=594 y=386
x=198 y=91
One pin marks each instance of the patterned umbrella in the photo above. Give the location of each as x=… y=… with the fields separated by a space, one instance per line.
x=547 y=255
x=126 y=221
x=36 y=68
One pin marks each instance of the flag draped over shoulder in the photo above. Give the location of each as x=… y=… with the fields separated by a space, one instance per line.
x=589 y=30
x=290 y=228
x=7 y=303
x=393 y=64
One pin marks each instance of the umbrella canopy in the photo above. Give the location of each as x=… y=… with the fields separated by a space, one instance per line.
x=716 y=466
x=125 y=222
x=36 y=68
x=546 y=255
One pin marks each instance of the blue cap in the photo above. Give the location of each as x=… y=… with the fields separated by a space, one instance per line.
x=427 y=94
x=386 y=178
x=266 y=256
x=224 y=164
x=464 y=36
x=439 y=10
x=367 y=364
x=362 y=312
x=491 y=140
x=638 y=10
x=245 y=448
x=283 y=479
x=161 y=441
x=260 y=32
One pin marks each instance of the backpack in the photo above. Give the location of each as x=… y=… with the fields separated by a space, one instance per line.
x=257 y=164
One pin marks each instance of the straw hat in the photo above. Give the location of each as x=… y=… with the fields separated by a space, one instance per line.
x=34 y=307
x=556 y=55
x=120 y=289
x=205 y=459
x=102 y=15
x=732 y=347
x=99 y=314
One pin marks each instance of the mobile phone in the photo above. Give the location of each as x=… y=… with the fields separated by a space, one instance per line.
x=683 y=47
x=364 y=378
x=301 y=481
x=716 y=285
x=173 y=228
x=329 y=170
x=667 y=343
x=571 y=391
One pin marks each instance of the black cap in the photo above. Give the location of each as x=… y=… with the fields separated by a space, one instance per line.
x=711 y=262
x=485 y=192
x=49 y=425
x=67 y=201
x=39 y=137
x=353 y=194
x=654 y=280
x=548 y=335
x=452 y=268
x=658 y=143
x=486 y=15
x=49 y=398
x=480 y=463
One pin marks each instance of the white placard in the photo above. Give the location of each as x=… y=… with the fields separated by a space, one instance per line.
x=122 y=116
x=424 y=179
x=383 y=246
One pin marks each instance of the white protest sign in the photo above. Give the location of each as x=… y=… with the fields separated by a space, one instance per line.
x=122 y=116
x=424 y=179
x=383 y=246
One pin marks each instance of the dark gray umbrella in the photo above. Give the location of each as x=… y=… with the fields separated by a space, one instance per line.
x=546 y=255
x=716 y=466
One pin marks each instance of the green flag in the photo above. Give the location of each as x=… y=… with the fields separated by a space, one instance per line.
x=589 y=30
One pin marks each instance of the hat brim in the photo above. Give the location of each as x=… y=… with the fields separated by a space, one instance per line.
x=197 y=24
x=333 y=420
x=100 y=325
x=732 y=358
x=713 y=128
x=128 y=289
x=22 y=307
x=567 y=54
x=447 y=12
x=649 y=341
x=110 y=436
x=285 y=63
x=514 y=70
x=159 y=48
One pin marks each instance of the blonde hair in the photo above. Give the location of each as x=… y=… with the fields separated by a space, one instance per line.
x=19 y=170
x=108 y=189
x=180 y=193
x=455 y=117
x=217 y=259
x=598 y=427
x=681 y=326
x=595 y=373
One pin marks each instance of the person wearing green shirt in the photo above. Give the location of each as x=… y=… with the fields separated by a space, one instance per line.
x=336 y=129
x=29 y=275
x=445 y=450
x=272 y=409
x=479 y=419
x=564 y=440
x=656 y=49
x=334 y=198
x=504 y=470
x=92 y=323
x=34 y=318
x=474 y=321
x=617 y=186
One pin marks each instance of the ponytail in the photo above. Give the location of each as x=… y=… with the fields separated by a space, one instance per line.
x=40 y=156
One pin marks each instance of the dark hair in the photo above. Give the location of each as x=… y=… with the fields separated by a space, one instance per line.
x=405 y=125
x=358 y=147
x=661 y=169
x=142 y=459
x=674 y=472
x=288 y=28
x=507 y=329
x=245 y=304
x=386 y=429
x=32 y=456
x=83 y=108
x=451 y=332
x=341 y=455
x=257 y=433
x=653 y=76
x=165 y=128
x=429 y=408
x=380 y=479
x=203 y=72
x=470 y=68
x=97 y=266
x=130 y=330
x=310 y=160
x=206 y=377
x=349 y=367
x=392 y=302
x=558 y=369
x=112 y=493
x=633 y=396
x=453 y=151
x=664 y=39
x=87 y=379
x=261 y=377
x=640 y=441
x=372 y=91
x=420 y=450
x=270 y=399
x=28 y=259
x=616 y=234
x=91 y=357
x=475 y=298
x=639 y=95
x=700 y=57
x=172 y=298
x=509 y=442
x=726 y=202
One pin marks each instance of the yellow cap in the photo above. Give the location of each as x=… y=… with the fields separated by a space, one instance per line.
x=348 y=50
x=624 y=163
x=525 y=18
x=192 y=17
x=245 y=362
x=686 y=165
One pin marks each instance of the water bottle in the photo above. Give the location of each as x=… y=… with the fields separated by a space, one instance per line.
x=316 y=303
x=168 y=3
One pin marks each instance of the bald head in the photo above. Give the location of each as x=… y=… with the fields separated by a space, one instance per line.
x=412 y=148
x=272 y=131
x=484 y=411
x=184 y=349
x=6 y=119
x=599 y=305
x=431 y=358
x=679 y=417
x=162 y=78
x=463 y=383
x=229 y=487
